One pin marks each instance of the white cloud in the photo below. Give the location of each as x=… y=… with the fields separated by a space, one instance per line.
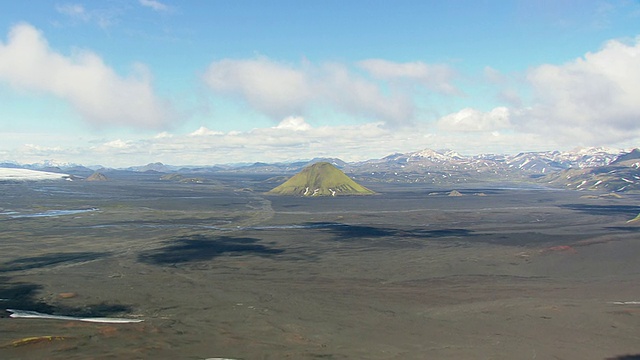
x=117 y=144
x=275 y=89
x=494 y=76
x=96 y=91
x=39 y=149
x=203 y=131
x=359 y=96
x=435 y=77
x=292 y=139
x=591 y=101
x=164 y=135
x=473 y=120
x=511 y=96
x=155 y=5
x=280 y=90
x=104 y=17
x=295 y=123
x=73 y=10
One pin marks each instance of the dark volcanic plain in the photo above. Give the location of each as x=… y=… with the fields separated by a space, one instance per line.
x=222 y=270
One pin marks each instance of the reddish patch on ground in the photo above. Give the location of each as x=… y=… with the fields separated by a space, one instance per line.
x=77 y=324
x=67 y=295
x=108 y=331
x=561 y=248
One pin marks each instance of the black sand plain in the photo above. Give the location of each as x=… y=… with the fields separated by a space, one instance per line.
x=220 y=270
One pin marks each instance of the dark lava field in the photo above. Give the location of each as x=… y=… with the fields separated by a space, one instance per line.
x=221 y=270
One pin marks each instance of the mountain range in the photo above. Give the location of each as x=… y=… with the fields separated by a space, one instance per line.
x=581 y=169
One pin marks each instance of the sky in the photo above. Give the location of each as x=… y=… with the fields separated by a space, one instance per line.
x=128 y=82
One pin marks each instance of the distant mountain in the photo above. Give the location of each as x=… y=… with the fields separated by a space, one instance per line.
x=436 y=167
x=450 y=167
x=320 y=179
x=202 y=169
x=426 y=155
x=51 y=166
x=549 y=161
x=78 y=170
x=176 y=177
x=585 y=168
x=621 y=174
x=631 y=158
x=157 y=167
x=290 y=167
x=10 y=165
x=333 y=161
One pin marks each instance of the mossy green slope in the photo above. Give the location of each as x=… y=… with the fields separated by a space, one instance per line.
x=320 y=179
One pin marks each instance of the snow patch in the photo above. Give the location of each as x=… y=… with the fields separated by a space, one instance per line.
x=32 y=175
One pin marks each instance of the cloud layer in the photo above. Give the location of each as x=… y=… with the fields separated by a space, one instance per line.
x=592 y=100
x=154 y=4
x=96 y=91
x=275 y=89
x=289 y=140
x=279 y=90
x=438 y=78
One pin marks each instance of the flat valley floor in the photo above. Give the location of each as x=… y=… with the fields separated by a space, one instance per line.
x=220 y=270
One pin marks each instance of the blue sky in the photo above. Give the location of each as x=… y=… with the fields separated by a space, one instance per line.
x=126 y=82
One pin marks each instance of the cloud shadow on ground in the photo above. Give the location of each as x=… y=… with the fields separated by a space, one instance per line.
x=202 y=248
x=379 y=236
x=625 y=228
x=626 y=357
x=346 y=231
x=26 y=296
x=604 y=209
x=52 y=259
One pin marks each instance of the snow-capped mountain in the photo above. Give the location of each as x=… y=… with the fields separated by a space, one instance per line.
x=432 y=155
x=446 y=165
x=430 y=166
x=537 y=162
x=621 y=174
x=549 y=161
x=423 y=156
